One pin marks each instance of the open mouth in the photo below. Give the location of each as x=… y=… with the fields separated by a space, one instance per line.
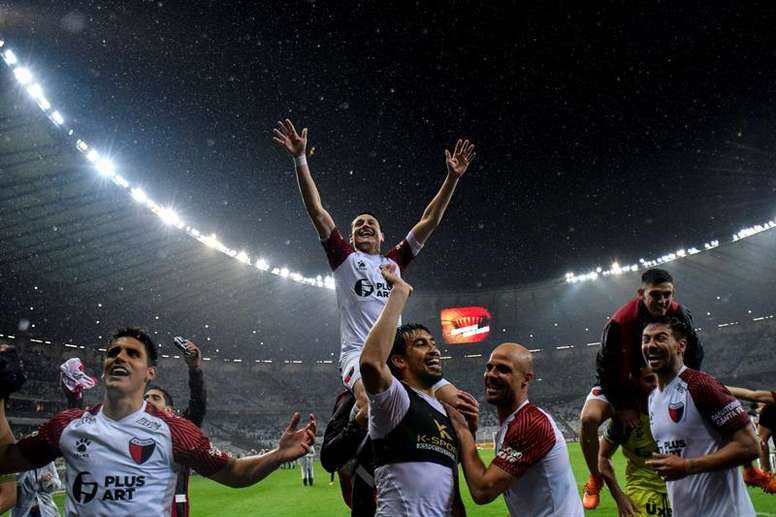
x=365 y=233
x=492 y=388
x=119 y=371
x=434 y=363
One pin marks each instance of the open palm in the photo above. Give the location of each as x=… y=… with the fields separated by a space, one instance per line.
x=287 y=137
x=460 y=159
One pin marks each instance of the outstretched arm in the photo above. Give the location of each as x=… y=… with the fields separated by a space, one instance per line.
x=375 y=373
x=485 y=483
x=457 y=163
x=244 y=472
x=625 y=506
x=767 y=397
x=296 y=144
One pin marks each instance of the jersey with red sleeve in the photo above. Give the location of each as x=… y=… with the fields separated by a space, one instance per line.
x=532 y=449
x=362 y=292
x=693 y=416
x=122 y=467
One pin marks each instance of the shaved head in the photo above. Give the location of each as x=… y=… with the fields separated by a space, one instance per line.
x=507 y=375
x=521 y=358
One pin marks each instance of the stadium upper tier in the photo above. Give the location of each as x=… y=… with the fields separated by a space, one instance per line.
x=79 y=257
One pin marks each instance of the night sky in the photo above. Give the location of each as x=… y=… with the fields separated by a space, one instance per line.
x=602 y=134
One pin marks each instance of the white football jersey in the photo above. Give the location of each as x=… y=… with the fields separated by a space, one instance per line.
x=362 y=292
x=693 y=416
x=124 y=467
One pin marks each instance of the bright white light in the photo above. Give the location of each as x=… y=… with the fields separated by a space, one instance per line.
x=168 y=216
x=10 y=57
x=284 y=272
x=22 y=74
x=121 y=181
x=57 y=118
x=92 y=156
x=106 y=167
x=81 y=145
x=35 y=90
x=262 y=264
x=243 y=257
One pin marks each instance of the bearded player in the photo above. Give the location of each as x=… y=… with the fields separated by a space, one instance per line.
x=362 y=292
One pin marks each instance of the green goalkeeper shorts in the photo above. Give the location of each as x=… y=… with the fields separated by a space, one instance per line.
x=651 y=503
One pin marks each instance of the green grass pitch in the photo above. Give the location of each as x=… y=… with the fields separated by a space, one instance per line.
x=282 y=495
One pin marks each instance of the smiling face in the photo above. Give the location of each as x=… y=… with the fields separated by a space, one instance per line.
x=657 y=297
x=156 y=398
x=365 y=234
x=662 y=351
x=421 y=362
x=507 y=375
x=126 y=369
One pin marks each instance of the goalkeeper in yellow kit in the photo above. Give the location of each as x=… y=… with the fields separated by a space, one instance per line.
x=645 y=492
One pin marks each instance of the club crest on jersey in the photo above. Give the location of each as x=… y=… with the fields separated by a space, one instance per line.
x=141 y=450
x=676 y=411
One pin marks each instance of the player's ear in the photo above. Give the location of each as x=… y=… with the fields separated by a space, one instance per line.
x=382 y=237
x=640 y=292
x=398 y=361
x=150 y=374
x=529 y=376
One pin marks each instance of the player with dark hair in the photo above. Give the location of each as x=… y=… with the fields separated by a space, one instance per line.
x=415 y=447
x=531 y=468
x=121 y=454
x=645 y=492
x=702 y=432
x=194 y=412
x=361 y=290
x=618 y=363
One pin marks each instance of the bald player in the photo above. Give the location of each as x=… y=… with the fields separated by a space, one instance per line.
x=532 y=467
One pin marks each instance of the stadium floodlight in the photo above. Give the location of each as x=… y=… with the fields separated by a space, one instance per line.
x=23 y=74
x=262 y=264
x=57 y=118
x=284 y=272
x=81 y=145
x=243 y=257
x=10 y=57
x=105 y=167
x=139 y=195
x=92 y=156
x=170 y=217
x=121 y=181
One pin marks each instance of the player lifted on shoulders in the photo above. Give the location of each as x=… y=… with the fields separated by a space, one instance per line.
x=618 y=364
x=362 y=292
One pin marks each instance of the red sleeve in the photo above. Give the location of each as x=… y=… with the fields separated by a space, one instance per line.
x=715 y=403
x=401 y=254
x=191 y=448
x=529 y=438
x=43 y=446
x=337 y=249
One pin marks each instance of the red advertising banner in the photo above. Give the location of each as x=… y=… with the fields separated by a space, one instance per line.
x=465 y=325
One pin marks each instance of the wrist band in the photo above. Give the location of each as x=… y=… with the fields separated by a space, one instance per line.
x=300 y=160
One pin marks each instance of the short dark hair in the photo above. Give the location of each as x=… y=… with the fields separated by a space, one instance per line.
x=165 y=394
x=656 y=276
x=369 y=213
x=141 y=336
x=679 y=329
x=400 y=343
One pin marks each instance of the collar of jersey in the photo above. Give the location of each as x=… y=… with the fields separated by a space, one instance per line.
x=131 y=415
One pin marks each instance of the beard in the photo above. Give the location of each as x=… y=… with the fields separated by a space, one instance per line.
x=428 y=379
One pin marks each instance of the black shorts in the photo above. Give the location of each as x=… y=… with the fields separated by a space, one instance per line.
x=768 y=417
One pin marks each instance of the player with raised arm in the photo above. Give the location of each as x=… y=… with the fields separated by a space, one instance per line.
x=121 y=455
x=532 y=467
x=618 y=363
x=702 y=432
x=361 y=290
x=415 y=447
x=645 y=492
x=194 y=412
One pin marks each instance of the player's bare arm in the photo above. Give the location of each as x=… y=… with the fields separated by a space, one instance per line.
x=744 y=447
x=293 y=444
x=457 y=163
x=625 y=506
x=7 y=496
x=766 y=397
x=485 y=483
x=11 y=459
x=295 y=145
x=375 y=373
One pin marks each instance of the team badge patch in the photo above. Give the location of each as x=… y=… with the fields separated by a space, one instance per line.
x=676 y=411
x=141 y=450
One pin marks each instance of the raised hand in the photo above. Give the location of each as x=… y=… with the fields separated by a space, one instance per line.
x=192 y=357
x=287 y=138
x=390 y=275
x=462 y=157
x=296 y=443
